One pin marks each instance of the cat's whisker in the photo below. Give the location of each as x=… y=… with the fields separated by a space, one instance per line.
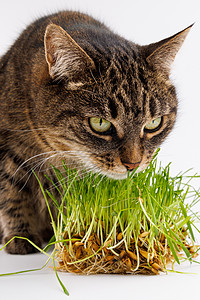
x=44 y=160
x=43 y=170
x=81 y=156
x=29 y=172
x=32 y=164
x=57 y=184
x=57 y=166
x=80 y=174
x=29 y=176
x=30 y=158
x=56 y=152
x=102 y=177
x=26 y=130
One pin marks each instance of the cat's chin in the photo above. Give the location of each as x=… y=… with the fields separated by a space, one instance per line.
x=120 y=176
x=116 y=176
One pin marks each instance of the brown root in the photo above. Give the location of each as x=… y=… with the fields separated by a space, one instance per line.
x=91 y=257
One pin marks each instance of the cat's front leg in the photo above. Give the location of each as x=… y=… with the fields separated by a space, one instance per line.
x=18 y=218
x=22 y=246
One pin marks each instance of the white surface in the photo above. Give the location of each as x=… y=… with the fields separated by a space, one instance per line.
x=143 y=22
x=44 y=285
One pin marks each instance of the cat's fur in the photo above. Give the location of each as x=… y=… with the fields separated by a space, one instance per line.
x=52 y=80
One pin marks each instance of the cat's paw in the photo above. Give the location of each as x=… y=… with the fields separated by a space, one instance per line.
x=21 y=246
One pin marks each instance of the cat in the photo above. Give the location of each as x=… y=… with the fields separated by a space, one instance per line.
x=72 y=89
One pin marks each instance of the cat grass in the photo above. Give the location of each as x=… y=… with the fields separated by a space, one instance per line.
x=140 y=225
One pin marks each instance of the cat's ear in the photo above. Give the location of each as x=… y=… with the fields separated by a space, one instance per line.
x=65 y=58
x=161 y=55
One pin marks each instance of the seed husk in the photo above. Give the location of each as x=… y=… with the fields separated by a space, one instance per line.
x=108 y=243
x=119 y=236
x=78 y=252
x=78 y=244
x=157 y=267
x=109 y=257
x=132 y=255
x=122 y=254
x=128 y=263
x=144 y=234
x=144 y=253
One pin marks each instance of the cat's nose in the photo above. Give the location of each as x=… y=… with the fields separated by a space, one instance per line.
x=131 y=166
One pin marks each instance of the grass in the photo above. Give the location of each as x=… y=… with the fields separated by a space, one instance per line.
x=136 y=225
x=139 y=225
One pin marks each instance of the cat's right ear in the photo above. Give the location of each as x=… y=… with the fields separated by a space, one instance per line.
x=65 y=58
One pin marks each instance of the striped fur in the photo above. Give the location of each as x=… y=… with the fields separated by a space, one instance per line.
x=62 y=70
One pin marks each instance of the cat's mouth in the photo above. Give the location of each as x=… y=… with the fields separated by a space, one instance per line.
x=117 y=171
x=120 y=172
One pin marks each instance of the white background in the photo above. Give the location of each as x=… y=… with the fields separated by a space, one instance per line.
x=142 y=22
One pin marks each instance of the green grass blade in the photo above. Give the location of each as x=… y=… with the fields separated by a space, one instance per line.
x=171 y=246
x=188 y=223
x=47 y=203
x=178 y=242
x=27 y=271
x=59 y=280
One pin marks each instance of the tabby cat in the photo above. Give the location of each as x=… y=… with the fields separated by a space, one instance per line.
x=72 y=89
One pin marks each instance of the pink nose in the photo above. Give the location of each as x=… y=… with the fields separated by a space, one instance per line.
x=131 y=166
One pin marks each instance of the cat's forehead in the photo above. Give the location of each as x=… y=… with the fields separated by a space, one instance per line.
x=130 y=91
x=123 y=86
x=126 y=71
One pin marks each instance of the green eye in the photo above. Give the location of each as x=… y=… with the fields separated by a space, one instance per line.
x=154 y=125
x=99 y=125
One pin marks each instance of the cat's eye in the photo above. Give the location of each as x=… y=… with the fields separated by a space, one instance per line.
x=154 y=125
x=99 y=125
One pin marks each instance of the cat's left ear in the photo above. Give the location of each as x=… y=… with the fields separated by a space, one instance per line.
x=65 y=58
x=161 y=55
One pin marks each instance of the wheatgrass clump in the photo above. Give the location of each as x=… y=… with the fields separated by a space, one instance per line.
x=140 y=225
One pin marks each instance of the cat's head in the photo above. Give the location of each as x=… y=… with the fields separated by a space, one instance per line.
x=108 y=103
